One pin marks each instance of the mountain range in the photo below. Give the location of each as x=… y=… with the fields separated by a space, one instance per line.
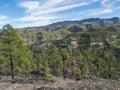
x=91 y=21
x=66 y=27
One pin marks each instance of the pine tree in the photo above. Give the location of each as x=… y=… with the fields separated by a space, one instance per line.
x=55 y=61
x=65 y=56
x=13 y=49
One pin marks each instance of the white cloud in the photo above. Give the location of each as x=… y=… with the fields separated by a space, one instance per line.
x=52 y=3
x=91 y=13
x=3 y=20
x=108 y=7
x=52 y=6
x=32 y=24
x=109 y=3
x=35 y=18
x=37 y=11
x=29 y=5
x=100 y=12
x=59 y=9
x=2 y=17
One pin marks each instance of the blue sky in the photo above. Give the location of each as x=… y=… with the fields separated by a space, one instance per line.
x=28 y=13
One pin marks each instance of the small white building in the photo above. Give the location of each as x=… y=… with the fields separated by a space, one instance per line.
x=97 y=44
x=74 y=44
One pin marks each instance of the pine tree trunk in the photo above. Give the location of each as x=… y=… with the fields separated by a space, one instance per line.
x=12 y=67
x=64 y=69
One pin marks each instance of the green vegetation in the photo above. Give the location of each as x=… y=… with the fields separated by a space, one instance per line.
x=55 y=35
x=83 y=53
x=14 y=55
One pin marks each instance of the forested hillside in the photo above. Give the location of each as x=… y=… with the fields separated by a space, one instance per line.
x=73 y=52
x=81 y=53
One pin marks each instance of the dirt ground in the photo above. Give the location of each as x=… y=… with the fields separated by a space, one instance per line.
x=61 y=84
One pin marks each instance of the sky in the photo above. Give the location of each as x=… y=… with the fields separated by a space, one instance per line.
x=28 y=13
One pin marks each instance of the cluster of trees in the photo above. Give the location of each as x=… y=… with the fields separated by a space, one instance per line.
x=51 y=60
x=75 y=63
